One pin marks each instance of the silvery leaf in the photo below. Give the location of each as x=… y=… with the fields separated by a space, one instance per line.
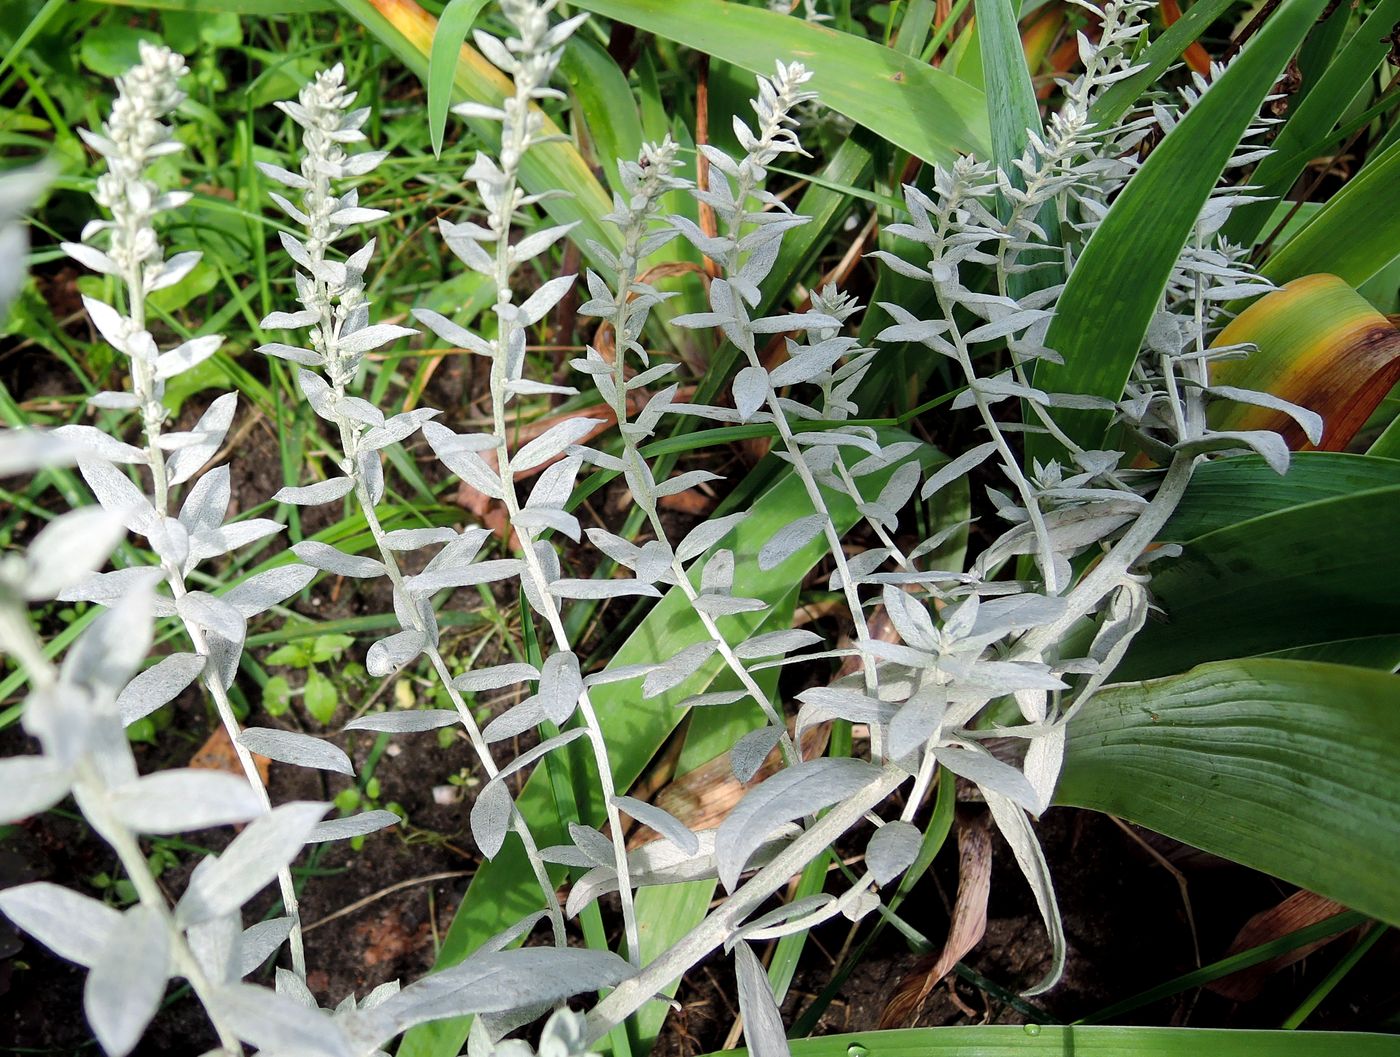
x=561 y=684
x=409 y=721
x=790 y=794
x=107 y=654
x=393 y=652
x=31 y=784
x=367 y=339
x=106 y=447
x=706 y=534
x=490 y=817
x=278 y=1025
x=186 y=355
x=549 y=294
x=749 y=752
x=892 y=850
x=619 y=674
x=290 y=320
x=206 y=502
x=264 y=590
x=396 y=429
x=1045 y=756
x=1016 y=828
x=677 y=669
x=593 y=844
x=109 y=588
x=117 y=494
x=918 y=720
x=451 y=333
x=212 y=426
x=495 y=677
x=716 y=606
x=514 y=721
x=750 y=391
x=293 y=353
x=214 y=944
x=111 y=324
x=662 y=821
x=259 y=941
x=71 y=547
x=681 y=482
x=776 y=643
x=412 y=539
x=533 y=520
x=332 y=560
x=427 y=583
x=461 y=458
x=301 y=750
x=763 y=1024
x=956 y=468
x=500 y=981
x=544 y=748
x=1265 y=442
x=364 y=823
x=27 y=450
x=250 y=862
x=292 y=986
x=90 y=257
x=73 y=926
x=789 y=539
x=315 y=494
x=552 y=442
x=572 y=588
x=127 y=982
x=182 y=800
x=989 y=774
x=556 y=484
x=211 y=613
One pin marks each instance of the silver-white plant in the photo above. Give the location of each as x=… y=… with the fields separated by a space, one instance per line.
x=993 y=249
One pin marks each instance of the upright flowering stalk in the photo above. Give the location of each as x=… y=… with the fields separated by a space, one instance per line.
x=133 y=137
x=530 y=57
x=334 y=306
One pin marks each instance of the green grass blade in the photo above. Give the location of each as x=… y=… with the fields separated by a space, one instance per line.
x=452 y=29
x=1311 y=121
x=1036 y=1040
x=1119 y=279
x=925 y=111
x=1355 y=235
x=1227 y=491
x=1257 y=955
x=1319 y=572
x=1284 y=766
x=1013 y=113
x=604 y=100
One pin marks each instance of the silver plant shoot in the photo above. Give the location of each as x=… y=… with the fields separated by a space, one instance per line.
x=965 y=654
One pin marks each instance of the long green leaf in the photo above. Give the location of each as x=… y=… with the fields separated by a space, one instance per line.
x=1285 y=766
x=1118 y=282
x=915 y=106
x=1319 y=572
x=503 y=891
x=1310 y=121
x=606 y=103
x=1355 y=235
x=1037 y=1040
x=452 y=29
x=1227 y=491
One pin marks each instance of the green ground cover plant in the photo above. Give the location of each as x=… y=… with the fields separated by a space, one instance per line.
x=985 y=334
